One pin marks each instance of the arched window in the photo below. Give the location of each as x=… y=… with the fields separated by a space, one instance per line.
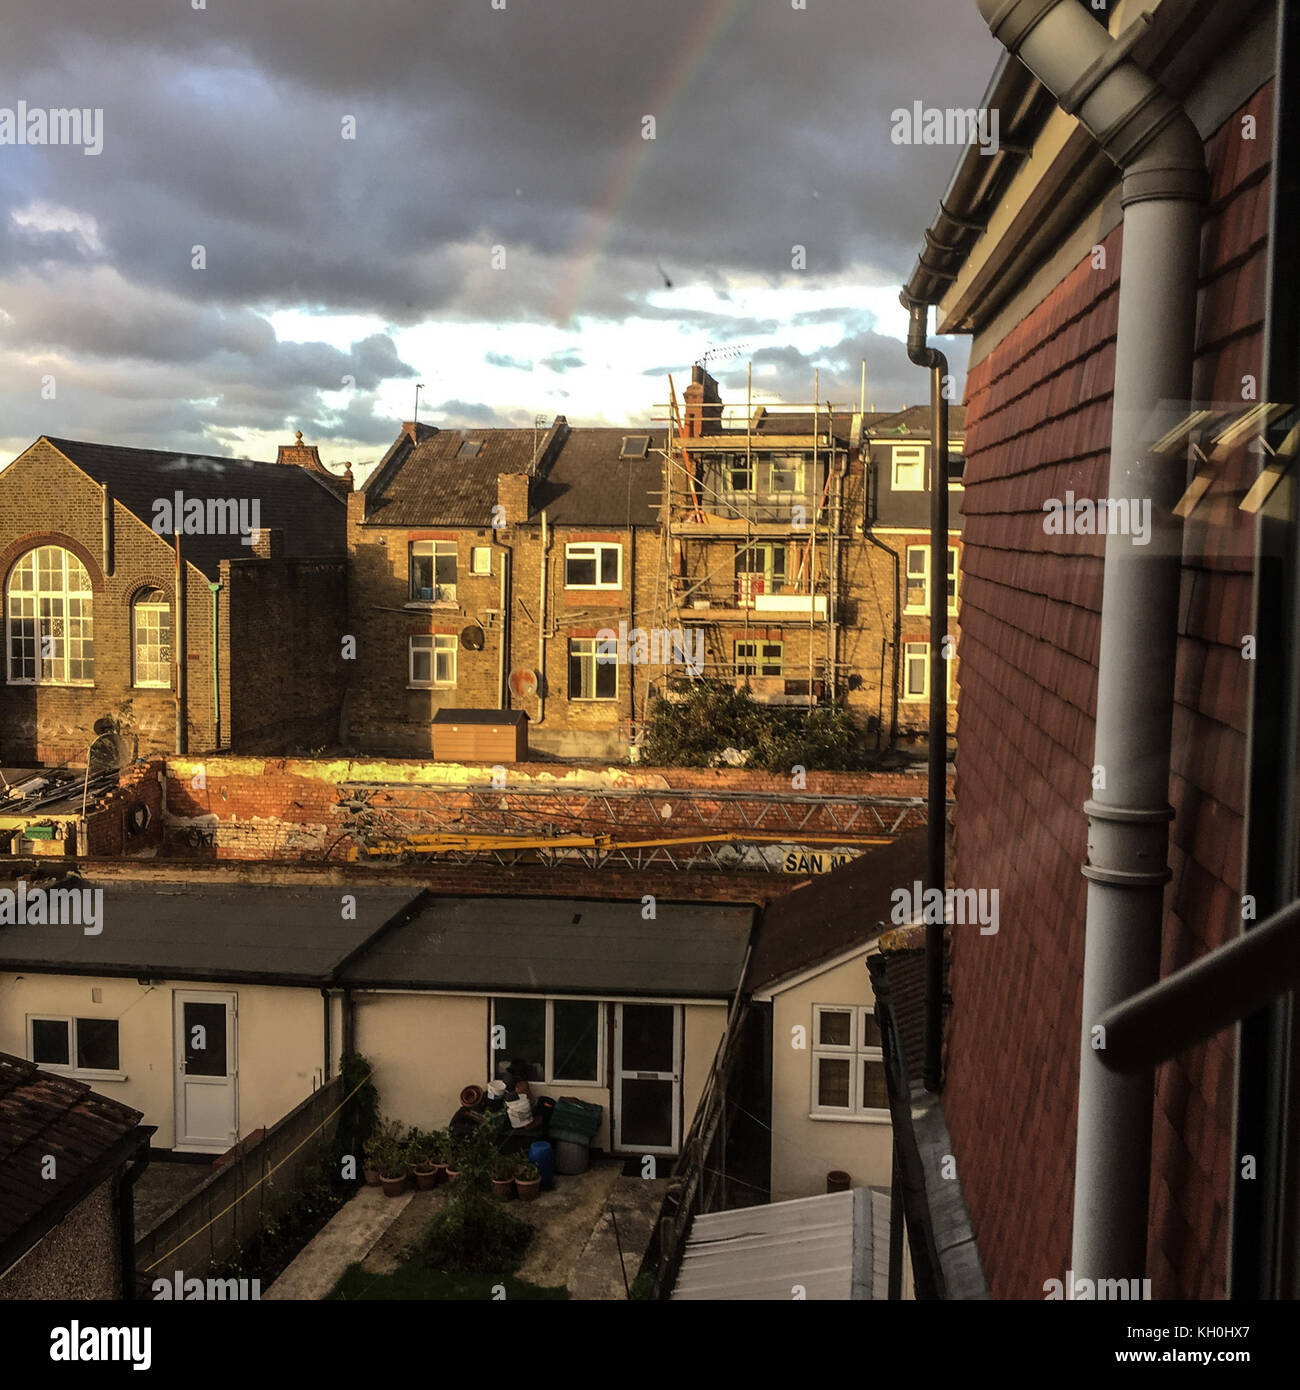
x=50 y=632
x=151 y=638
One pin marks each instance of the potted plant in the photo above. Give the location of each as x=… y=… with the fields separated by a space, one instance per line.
x=392 y=1165
x=419 y=1154
x=455 y=1152
x=503 y=1178
x=528 y=1181
x=384 y=1132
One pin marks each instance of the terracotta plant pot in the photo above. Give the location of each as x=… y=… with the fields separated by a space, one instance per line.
x=393 y=1187
x=528 y=1191
x=452 y=1174
x=371 y=1174
x=425 y=1178
x=503 y=1188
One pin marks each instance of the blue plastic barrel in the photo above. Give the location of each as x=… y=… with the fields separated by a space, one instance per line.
x=542 y=1157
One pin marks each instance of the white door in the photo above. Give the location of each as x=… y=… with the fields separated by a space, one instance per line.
x=206 y=1114
x=648 y=1078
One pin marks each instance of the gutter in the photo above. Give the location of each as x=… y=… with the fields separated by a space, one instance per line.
x=1160 y=156
x=937 y=790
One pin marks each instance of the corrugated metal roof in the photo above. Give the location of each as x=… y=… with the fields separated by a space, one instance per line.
x=206 y=932
x=313 y=519
x=833 y=1247
x=571 y=946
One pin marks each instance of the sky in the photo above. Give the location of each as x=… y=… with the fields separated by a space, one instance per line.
x=304 y=208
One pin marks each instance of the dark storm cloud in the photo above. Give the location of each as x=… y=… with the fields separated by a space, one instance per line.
x=475 y=128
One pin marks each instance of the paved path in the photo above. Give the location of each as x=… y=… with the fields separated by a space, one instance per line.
x=574 y=1244
x=349 y=1236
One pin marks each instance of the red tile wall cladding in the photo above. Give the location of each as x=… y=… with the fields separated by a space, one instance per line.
x=1038 y=423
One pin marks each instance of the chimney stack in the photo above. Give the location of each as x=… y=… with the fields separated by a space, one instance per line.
x=703 y=413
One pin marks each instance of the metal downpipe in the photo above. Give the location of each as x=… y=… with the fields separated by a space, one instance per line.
x=937 y=788
x=1160 y=153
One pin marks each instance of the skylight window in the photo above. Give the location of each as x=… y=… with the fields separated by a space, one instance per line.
x=635 y=446
x=469 y=449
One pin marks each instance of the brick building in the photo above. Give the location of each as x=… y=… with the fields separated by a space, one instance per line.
x=94 y=627
x=485 y=565
x=1026 y=255
x=799 y=540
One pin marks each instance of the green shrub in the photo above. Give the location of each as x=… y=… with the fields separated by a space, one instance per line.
x=712 y=716
x=472 y=1233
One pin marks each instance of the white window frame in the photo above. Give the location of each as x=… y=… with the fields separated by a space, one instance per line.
x=141 y=605
x=856 y=1053
x=954 y=578
x=924 y=648
x=483 y=552
x=442 y=593
x=64 y=596
x=598 y=647
x=924 y=576
x=71 y=1068
x=437 y=643
x=548 y=1067
x=913 y=651
x=593 y=550
x=907 y=468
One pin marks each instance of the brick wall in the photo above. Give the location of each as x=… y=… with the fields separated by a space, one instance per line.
x=278 y=633
x=253 y=808
x=110 y=831
x=1038 y=424
x=282 y=659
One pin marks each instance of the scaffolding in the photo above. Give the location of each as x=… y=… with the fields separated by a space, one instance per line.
x=700 y=581
x=726 y=830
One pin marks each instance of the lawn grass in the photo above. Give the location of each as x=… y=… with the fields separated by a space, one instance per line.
x=415 y=1280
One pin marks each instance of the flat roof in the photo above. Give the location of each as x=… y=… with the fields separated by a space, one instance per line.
x=562 y=946
x=252 y=933
x=480 y=716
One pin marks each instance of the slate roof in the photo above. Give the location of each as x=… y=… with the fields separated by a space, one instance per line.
x=587 y=484
x=235 y=932
x=40 y=1114
x=311 y=516
x=427 y=484
x=571 y=946
x=590 y=485
x=887 y=426
x=848 y=907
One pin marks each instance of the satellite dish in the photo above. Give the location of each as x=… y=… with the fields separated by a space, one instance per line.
x=523 y=683
x=471 y=638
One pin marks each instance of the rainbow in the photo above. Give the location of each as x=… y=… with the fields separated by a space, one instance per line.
x=699 y=40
